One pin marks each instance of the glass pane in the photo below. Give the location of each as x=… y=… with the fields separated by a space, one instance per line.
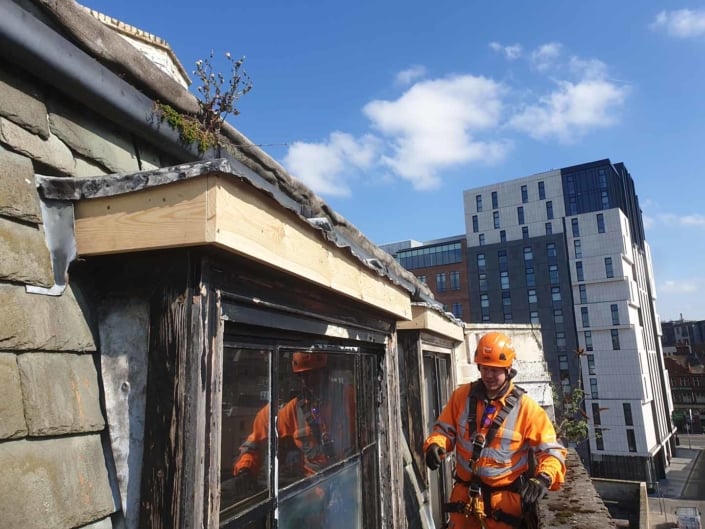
x=317 y=421
x=245 y=443
x=333 y=502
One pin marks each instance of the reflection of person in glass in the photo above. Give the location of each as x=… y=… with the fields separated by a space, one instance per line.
x=319 y=424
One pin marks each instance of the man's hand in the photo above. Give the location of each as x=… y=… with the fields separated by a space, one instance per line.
x=535 y=488
x=434 y=455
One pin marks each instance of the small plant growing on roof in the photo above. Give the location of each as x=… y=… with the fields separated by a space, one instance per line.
x=218 y=100
x=571 y=419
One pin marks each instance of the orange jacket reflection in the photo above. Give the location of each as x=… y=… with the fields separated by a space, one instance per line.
x=297 y=421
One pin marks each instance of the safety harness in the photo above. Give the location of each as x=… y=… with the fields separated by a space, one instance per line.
x=479 y=504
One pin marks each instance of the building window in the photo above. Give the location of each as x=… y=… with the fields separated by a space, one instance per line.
x=502 y=259
x=631 y=440
x=520 y=215
x=605 y=200
x=458 y=310
x=614 y=309
x=528 y=254
x=485 y=307
x=549 y=209
x=424 y=257
x=558 y=317
x=615 y=339
x=556 y=295
x=441 y=282
x=495 y=218
x=524 y=232
x=579 y=271
x=534 y=315
x=585 y=316
x=576 y=227
x=481 y=262
x=504 y=280
x=572 y=206
x=495 y=202
x=455 y=280
x=591 y=364
x=628 y=419
x=481 y=239
x=478 y=203
x=578 y=249
x=549 y=228
x=600 y=223
x=532 y=296
x=475 y=224
x=553 y=274
x=560 y=339
x=609 y=271
x=524 y=194
x=596 y=419
x=482 y=280
x=551 y=252
x=507 y=306
x=588 y=340
x=599 y=441
x=593 y=389
x=542 y=191
x=530 y=277
x=583 y=293
x=502 y=236
x=563 y=362
x=250 y=392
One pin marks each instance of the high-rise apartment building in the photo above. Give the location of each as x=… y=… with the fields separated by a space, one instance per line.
x=566 y=249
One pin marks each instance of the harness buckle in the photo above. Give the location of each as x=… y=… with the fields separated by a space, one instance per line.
x=478 y=443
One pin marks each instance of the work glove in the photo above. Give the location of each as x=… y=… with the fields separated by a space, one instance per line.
x=535 y=488
x=433 y=456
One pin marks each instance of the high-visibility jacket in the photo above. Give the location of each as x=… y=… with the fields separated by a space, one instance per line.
x=321 y=435
x=506 y=457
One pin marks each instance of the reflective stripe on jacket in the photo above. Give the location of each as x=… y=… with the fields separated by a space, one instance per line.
x=506 y=457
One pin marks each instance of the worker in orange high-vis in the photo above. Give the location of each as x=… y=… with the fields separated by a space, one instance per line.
x=494 y=428
x=319 y=422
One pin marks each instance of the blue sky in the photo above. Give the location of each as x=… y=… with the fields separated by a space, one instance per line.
x=390 y=109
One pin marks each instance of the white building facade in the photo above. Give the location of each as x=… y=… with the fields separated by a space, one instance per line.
x=566 y=249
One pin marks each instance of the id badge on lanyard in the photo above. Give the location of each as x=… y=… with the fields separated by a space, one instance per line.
x=487 y=416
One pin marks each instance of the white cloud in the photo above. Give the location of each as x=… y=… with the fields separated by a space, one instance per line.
x=588 y=68
x=671 y=219
x=406 y=77
x=431 y=126
x=684 y=286
x=693 y=220
x=511 y=53
x=571 y=110
x=326 y=167
x=545 y=56
x=682 y=23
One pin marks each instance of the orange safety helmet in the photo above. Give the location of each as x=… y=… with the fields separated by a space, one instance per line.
x=303 y=361
x=495 y=350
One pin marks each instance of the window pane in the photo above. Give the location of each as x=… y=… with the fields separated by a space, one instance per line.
x=549 y=209
x=549 y=229
x=326 y=503
x=542 y=191
x=575 y=226
x=245 y=445
x=495 y=202
x=524 y=194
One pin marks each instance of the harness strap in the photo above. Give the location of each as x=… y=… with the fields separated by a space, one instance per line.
x=475 y=485
x=498 y=514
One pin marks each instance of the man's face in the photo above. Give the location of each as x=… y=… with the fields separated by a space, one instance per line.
x=493 y=377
